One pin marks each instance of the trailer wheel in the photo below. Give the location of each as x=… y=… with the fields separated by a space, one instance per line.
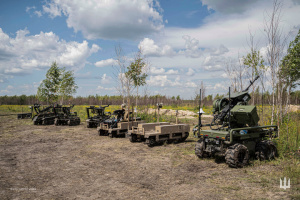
x=133 y=138
x=185 y=137
x=112 y=134
x=237 y=156
x=199 y=149
x=151 y=142
x=101 y=132
x=265 y=150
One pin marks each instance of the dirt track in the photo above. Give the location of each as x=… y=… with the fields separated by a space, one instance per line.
x=48 y=162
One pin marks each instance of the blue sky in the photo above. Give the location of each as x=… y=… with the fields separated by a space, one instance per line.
x=184 y=41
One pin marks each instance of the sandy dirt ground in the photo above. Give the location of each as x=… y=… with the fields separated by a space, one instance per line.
x=181 y=113
x=50 y=162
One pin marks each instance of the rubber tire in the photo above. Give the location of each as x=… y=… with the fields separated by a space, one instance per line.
x=266 y=150
x=101 y=132
x=237 y=156
x=133 y=138
x=151 y=142
x=199 y=149
x=185 y=137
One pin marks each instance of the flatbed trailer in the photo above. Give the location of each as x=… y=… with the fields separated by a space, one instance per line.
x=120 y=131
x=155 y=133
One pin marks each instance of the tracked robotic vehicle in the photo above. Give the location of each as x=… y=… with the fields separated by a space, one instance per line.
x=44 y=116
x=159 y=132
x=64 y=116
x=96 y=115
x=117 y=126
x=234 y=132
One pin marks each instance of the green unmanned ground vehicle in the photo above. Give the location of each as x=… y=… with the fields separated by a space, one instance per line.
x=234 y=131
x=45 y=116
x=64 y=116
x=96 y=115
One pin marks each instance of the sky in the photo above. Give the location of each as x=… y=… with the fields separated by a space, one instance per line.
x=184 y=41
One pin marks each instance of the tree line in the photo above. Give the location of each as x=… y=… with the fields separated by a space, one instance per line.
x=143 y=100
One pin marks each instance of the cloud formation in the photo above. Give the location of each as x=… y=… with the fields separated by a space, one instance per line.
x=105 y=63
x=25 y=53
x=113 y=19
x=149 y=48
x=161 y=71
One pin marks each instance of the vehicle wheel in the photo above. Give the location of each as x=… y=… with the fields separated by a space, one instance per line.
x=265 y=150
x=185 y=137
x=151 y=142
x=133 y=138
x=56 y=122
x=88 y=125
x=237 y=156
x=101 y=132
x=199 y=149
x=69 y=122
x=169 y=141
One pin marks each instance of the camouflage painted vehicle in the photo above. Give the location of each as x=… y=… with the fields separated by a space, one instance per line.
x=64 y=116
x=96 y=115
x=44 y=116
x=234 y=132
x=159 y=132
x=117 y=126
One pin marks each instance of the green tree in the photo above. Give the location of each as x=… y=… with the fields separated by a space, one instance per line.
x=255 y=62
x=67 y=85
x=136 y=73
x=289 y=71
x=59 y=83
x=290 y=67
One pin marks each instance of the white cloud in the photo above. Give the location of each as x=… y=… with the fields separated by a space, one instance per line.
x=103 y=88
x=190 y=84
x=192 y=47
x=53 y=9
x=161 y=71
x=190 y=72
x=220 y=51
x=38 y=13
x=219 y=86
x=105 y=63
x=105 y=79
x=25 y=52
x=33 y=9
x=149 y=48
x=113 y=19
x=163 y=81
